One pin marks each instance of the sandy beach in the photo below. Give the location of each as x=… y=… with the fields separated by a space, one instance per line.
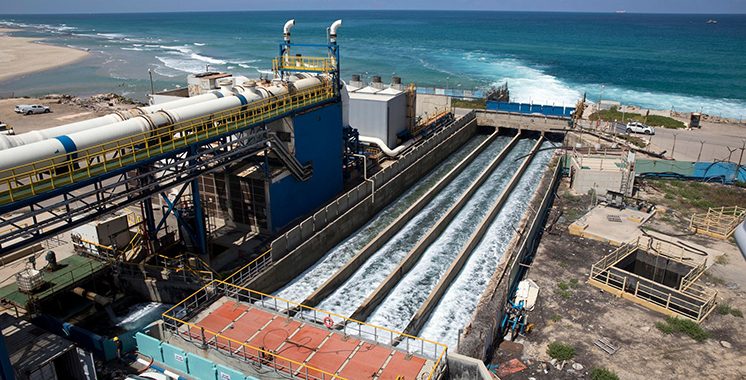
x=19 y=56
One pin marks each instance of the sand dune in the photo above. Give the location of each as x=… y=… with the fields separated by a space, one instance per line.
x=19 y=56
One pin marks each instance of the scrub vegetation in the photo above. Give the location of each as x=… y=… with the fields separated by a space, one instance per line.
x=652 y=120
x=469 y=103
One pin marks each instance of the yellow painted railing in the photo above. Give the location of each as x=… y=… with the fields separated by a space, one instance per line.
x=229 y=346
x=38 y=177
x=291 y=63
x=435 y=351
x=718 y=223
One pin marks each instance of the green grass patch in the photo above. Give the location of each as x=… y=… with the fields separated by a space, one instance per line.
x=469 y=103
x=555 y=318
x=653 y=120
x=722 y=260
x=683 y=326
x=725 y=309
x=560 y=351
x=688 y=196
x=634 y=140
x=603 y=374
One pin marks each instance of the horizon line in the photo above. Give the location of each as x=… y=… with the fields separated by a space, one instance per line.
x=620 y=12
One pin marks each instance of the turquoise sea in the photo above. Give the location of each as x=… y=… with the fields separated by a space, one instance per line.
x=658 y=61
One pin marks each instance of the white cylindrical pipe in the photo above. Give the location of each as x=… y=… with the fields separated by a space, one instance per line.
x=60 y=146
x=286 y=29
x=12 y=141
x=333 y=31
x=384 y=148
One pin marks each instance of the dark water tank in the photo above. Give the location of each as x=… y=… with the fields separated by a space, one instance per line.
x=376 y=79
x=356 y=77
x=396 y=80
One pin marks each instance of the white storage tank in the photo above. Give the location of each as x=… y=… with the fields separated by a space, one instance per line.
x=379 y=113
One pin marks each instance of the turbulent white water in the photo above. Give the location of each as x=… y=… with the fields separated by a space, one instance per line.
x=459 y=302
x=305 y=284
x=345 y=299
x=407 y=296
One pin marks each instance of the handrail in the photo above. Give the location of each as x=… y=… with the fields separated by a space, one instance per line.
x=301 y=63
x=30 y=179
x=253 y=267
x=218 y=287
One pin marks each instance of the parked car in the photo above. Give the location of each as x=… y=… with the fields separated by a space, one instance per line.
x=5 y=129
x=637 y=127
x=28 y=109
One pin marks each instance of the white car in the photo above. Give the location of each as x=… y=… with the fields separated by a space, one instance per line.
x=636 y=127
x=28 y=109
x=5 y=129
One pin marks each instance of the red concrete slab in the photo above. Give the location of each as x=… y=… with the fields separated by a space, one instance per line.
x=332 y=353
x=302 y=344
x=366 y=362
x=402 y=367
x=275 y=334
x=246 y=326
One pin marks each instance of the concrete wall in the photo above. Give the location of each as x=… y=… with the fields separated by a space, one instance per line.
x=483 y=332
x=585 y=180
x=312 y=238
x=517 y=121
x=430 y=105
x=462 y=367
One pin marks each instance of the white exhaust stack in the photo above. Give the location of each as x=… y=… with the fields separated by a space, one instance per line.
x=333 y=31
x=286 y=30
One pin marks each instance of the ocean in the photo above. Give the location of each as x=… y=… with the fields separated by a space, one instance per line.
x=675 y=62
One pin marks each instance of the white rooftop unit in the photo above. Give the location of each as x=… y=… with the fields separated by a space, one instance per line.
x=379 y=113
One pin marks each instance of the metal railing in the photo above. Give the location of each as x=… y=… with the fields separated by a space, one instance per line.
x=31 y=179
x=175 y=321
x=691 y=300
x=718 y=223
x=251 y=270
x=301 y=63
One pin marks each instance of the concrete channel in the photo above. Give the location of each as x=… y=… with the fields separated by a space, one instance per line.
x=423 y=313
x=384 y=236
x=372 y=301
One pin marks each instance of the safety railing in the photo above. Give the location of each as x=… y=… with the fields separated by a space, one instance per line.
x=45 y=175
x=301 y=63
x=694 y=306
x=175 y=321
x=249 y=271
x=691 y=300
x=718 y=223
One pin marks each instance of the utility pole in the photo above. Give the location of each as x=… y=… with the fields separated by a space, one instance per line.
x=674 y=146
x=740 y=160
x=701 y=145
x=152 y=88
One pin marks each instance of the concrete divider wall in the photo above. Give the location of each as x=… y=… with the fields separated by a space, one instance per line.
x=483 y=332
x=306 y=250
x=347 y=200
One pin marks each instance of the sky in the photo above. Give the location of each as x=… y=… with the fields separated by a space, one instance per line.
x=638 y=6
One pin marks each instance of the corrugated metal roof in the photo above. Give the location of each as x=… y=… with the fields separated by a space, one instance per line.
x=30 y=347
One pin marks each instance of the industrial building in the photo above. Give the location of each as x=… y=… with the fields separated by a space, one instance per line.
x=266 y=227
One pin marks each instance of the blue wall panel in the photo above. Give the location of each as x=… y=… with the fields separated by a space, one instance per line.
x=174 y=357
x=149 y=346
x=225 y=373
x=318 y=140
x=201 y=368
x=527 y=108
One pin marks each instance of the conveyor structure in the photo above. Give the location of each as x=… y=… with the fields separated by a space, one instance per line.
x=51 y=183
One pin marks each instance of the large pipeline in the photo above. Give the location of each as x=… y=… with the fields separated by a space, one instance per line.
x=740 y=235
x=12 y=141
x=21 y=157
